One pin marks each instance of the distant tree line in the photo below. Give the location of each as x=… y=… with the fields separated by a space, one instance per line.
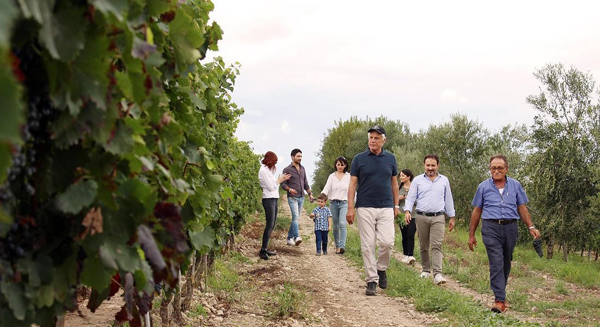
x=556 y=158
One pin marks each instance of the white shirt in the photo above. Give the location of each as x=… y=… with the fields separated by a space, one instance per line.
x=268 y=182
x=336 y=189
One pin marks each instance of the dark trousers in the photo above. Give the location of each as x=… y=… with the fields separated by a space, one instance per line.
x=408 y=238
x=270 y=205
x=321 y=236
x=500 y=241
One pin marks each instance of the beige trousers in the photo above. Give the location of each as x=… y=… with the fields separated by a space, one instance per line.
x=375 y=227
x=431 y=233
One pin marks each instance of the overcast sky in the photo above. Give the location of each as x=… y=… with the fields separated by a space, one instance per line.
x=306 y=64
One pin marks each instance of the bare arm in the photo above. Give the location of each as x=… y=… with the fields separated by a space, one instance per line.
x=351 y=191
x=475 y=217
x=395 y=190
x=524 y=213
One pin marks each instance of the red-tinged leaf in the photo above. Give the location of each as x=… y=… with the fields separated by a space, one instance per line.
x=115 y=284
x=144 y=302
x=170 y=218
x=146 y=240
x=128 y=295
x=121 y=316
x=167 y=17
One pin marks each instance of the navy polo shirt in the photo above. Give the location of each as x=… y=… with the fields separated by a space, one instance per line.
x=374 y=173
x=499 y=206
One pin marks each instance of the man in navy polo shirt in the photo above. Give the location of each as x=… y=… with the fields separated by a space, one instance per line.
x=500 y=201
x=373 y=177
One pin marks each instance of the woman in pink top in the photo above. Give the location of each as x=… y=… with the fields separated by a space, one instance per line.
x=336 y=189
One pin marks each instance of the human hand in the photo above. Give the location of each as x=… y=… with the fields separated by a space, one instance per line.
x=472 y=242
x=535 y=233
x=311 y=197
x=407 y=217
x=451 y=224
x=292 y=191
x=312 y=215
x=283 y=177
x=350 y=216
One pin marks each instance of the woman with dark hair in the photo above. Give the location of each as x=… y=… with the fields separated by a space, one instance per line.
x=336 y=189
x=270 y=188
x=408 y=230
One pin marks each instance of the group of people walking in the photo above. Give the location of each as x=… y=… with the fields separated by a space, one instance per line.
x=374 y=193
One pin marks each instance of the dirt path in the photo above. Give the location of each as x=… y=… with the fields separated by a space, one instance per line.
x=336 y=288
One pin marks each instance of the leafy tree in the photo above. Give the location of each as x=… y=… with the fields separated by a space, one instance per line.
x=462 y=147
x=561 y=180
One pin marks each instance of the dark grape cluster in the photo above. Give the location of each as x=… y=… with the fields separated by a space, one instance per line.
x=18 y=241
x=20 y=180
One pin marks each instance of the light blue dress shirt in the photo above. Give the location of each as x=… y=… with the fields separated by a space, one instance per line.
x=499 y=206
x=431 y=196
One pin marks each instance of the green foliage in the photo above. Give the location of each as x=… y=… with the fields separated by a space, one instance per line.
x=561 y=169
x=124 y=157
x=288 y=302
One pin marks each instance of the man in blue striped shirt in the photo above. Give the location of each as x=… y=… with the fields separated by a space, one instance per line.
x=433 y=195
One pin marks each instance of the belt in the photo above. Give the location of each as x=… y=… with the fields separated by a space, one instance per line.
x=430 y=214
x=339 y=200
x=501 y=221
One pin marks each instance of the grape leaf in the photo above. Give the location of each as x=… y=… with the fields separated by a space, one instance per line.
x=77 y=196
x=203 y=238
x=95 y=274
x=7 y=14
x=122 y=142
x=15 y=295
x=116 y=7
x=63 y=32
x=12 y=115
x=187 y=37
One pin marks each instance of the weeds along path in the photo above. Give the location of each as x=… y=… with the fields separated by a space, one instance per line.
x=334 y=289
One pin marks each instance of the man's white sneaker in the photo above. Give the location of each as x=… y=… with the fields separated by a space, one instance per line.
x=439 y=279
x=424 y=275
x=404 y=260
x=290 y=241
x=411 y=260
x=298 y=240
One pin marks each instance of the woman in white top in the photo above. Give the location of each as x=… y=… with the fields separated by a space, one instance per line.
x=270 y=188
x=336 y=189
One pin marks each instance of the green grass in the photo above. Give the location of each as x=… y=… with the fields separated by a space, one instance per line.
x=287 y=302
x=459 y=310
x=224 y=280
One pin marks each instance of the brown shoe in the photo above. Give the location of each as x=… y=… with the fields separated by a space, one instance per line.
x=498 y=307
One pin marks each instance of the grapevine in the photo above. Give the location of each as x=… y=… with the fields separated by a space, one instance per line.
x=118 y=158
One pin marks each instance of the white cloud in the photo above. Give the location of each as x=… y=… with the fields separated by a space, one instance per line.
x=449 y=96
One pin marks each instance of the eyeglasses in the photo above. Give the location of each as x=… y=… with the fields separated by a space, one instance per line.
x=497 y=168
x=338 y=158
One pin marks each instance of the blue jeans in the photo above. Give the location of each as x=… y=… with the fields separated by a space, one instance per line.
x=321 y=237
x=339 y=209
x=296 y=208
x=500 y=241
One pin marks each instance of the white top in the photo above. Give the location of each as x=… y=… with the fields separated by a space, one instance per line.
x=268 y=182
x=336 y=189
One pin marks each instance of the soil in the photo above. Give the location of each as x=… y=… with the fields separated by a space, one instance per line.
x=334 y=289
